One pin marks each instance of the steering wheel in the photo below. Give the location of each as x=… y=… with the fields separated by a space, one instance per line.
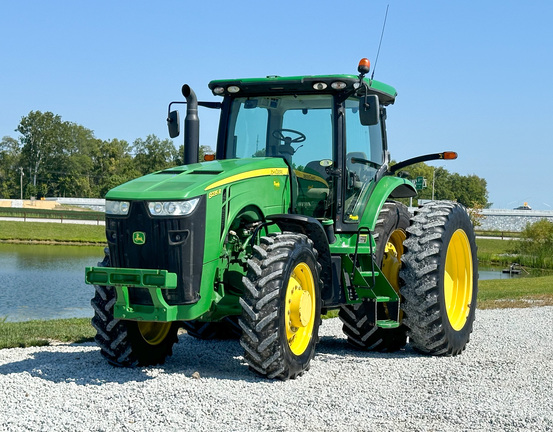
x=278 y=134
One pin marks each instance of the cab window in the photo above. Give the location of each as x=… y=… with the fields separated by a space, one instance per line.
x=364 y=156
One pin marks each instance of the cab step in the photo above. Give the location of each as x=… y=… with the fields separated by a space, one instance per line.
x=369 y=274
x=387 y=324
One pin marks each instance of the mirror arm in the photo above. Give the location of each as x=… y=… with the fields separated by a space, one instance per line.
x=424 y=158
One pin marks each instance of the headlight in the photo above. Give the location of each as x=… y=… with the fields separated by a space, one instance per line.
x=172 y=208
x=120 y=208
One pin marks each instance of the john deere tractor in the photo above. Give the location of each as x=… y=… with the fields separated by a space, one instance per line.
x=293 y=216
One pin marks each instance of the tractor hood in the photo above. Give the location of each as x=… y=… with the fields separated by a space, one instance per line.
x=189 y=181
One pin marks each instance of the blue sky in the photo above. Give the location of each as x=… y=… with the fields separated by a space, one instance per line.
x=473 y=76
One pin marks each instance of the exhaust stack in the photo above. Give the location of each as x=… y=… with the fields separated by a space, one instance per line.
x=191 y=126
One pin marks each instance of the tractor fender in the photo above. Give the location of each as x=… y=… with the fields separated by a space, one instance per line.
x=314 y=230
x=387 y=187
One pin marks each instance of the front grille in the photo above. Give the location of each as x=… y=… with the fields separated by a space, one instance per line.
x=173 y=244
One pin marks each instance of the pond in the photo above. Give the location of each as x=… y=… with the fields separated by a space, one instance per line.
x=45 y=281
x=487 y=272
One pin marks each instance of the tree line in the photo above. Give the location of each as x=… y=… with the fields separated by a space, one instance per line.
x=440 y=184
x=58 y=158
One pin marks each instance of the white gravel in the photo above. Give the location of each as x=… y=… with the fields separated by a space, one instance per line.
x=503 y=381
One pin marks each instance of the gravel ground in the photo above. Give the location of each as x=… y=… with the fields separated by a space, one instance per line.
x=503 y=381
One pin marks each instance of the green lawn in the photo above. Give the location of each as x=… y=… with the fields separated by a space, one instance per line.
x=495 y=251
x=40 y=333
x=52 y=232
x=519 y=292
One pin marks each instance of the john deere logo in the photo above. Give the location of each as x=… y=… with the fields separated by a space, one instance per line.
x=138 y=237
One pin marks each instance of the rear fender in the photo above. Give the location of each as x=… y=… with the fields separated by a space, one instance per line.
x=387 y=187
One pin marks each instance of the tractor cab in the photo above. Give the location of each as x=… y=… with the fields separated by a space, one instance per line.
x=305 y=121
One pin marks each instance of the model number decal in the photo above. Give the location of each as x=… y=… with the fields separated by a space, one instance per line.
x=214 y=193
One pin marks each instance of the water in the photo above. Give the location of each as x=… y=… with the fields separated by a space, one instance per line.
x=486 y=273
x=45 y=281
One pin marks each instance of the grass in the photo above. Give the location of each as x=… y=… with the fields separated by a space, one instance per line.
x=505 y=252
x=42 y=333
x=64 y=213
x=496 y=251
x=51 y=232
x=515 y=293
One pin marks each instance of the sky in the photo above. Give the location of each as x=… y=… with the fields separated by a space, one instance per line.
x=475 y=77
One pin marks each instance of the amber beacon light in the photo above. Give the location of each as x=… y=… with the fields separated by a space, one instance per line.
x=364 y=66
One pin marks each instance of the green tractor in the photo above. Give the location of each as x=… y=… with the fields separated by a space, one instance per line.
x=293 y=216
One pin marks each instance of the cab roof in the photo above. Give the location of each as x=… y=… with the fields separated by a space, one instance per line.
x=277 y=85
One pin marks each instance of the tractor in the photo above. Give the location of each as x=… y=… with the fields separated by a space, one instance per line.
x=294 y=215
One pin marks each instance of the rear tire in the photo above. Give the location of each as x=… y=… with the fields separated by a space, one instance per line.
x=129 y=343
x=281 y=306
x=389 y=234
x=440 y=279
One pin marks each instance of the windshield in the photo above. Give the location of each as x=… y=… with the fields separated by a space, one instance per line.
x=256 y=125
x=297 y=128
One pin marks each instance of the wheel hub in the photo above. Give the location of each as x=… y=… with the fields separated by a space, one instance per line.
x=299 y=308
x=458 y=284
x=154 y=332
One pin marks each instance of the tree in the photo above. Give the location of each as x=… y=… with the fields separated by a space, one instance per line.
x=468 y=190
x=10 y=174
x=40 y=135
x=112 y=165
x=202 y=151
x=56 y=155
x=536 y=244
x=70 y=172
x=153 y=154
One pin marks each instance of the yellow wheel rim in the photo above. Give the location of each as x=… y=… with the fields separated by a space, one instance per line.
x=299 y=308
x=458 y=280
x=391 y=261
x=154 y=332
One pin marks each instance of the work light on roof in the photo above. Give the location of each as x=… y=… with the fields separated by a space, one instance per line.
x=233 y=89
x=338 y=85
x=320 y=86
x=218 y=90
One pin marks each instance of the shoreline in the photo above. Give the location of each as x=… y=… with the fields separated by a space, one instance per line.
x=53 y=242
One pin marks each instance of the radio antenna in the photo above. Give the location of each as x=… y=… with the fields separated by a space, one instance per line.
x=380 y=43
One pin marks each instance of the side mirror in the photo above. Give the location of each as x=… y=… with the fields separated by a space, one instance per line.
x=369 y=110
x=173 y=123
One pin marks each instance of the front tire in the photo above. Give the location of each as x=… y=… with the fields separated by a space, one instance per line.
x=129 y=343
x=440 y=279
x=281 y=306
